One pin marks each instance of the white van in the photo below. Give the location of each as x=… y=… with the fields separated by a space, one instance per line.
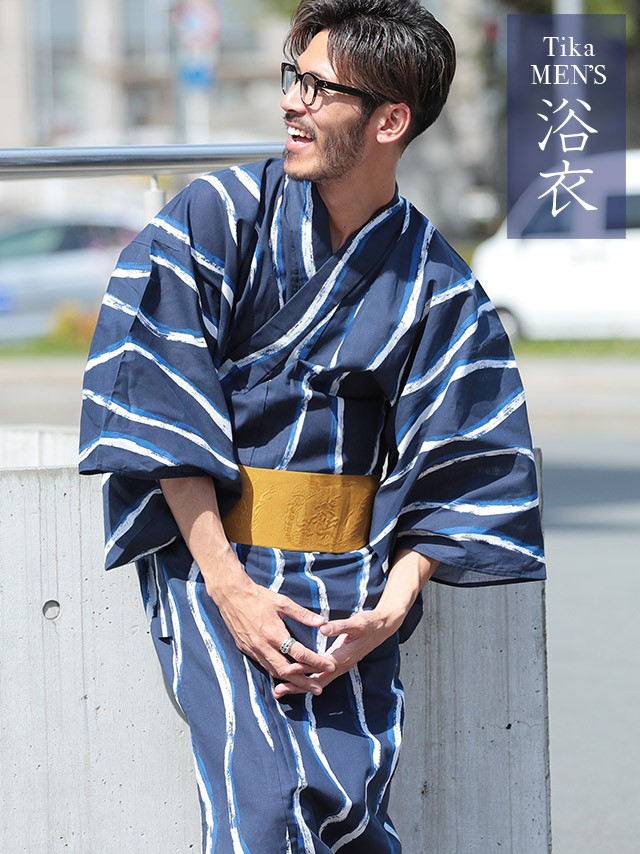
x=550 y=287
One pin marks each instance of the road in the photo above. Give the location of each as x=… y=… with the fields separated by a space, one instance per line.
x=586 y=418
x=585 y=415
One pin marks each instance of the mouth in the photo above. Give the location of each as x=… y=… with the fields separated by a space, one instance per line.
x=298 y=138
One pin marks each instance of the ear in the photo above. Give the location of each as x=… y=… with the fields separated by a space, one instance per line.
x=393 y=123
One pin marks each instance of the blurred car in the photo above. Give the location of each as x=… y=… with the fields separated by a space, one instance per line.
x=552 y=287
x=49 y=264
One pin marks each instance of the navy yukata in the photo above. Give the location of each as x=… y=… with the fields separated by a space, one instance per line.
x=233 y=334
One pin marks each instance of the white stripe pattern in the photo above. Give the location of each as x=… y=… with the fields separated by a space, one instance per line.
x=307 y=234
x=363 y=587
x=274 y=242
x=307 y=839
x=228 y=203
x=169 y=335
x=129 y=346
x=316 y=306
x=226 y=691
x=164 y=624
x=347 y=803
x=255 y=705
x=481 y=430
x=441 y=364
x=444 y=296
x=177 y=270
x=323 y=600
x=152 y=593
x=458 y=373
x=248 y=181
x=130 y=519
x=339 y=462
x=118 y=305
x=149 y=421
x=127 y=445
x=176 y=645
x=397 y=732
x=471 y=536
x=307 y=394
x=497 y=452
x=409 y=314
x=205 y=797
x=179 y=233
x=334 y=360
x=124 y=273
x=205 y=262
x=356 y=685
x=278 y=577
x=471 y=508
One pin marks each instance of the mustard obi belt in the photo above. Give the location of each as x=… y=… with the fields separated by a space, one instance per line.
x=302 y=511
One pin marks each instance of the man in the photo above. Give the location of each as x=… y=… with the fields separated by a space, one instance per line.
x=297 y=333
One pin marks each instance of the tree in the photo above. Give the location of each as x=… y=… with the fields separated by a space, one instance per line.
x=285 y=8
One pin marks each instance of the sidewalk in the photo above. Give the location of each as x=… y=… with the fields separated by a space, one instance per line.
x=39 y=390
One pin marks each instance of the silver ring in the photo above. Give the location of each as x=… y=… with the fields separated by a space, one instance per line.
x=286 y=645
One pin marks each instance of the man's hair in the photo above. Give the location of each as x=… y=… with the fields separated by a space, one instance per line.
x=395 y=49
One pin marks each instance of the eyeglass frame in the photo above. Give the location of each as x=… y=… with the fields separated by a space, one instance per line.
x=319 y=84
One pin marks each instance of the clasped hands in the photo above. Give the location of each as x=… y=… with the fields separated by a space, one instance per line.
x=255 y=617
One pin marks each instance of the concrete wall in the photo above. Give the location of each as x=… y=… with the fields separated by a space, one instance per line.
x=96 y=759
x=474 y=774
x=37 y=446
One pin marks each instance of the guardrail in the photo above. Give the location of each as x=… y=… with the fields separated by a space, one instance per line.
x=93 y=162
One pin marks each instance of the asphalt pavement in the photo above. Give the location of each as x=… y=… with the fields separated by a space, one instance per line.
x=585 y=415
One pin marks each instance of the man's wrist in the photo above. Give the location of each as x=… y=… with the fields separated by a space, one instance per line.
x=391 y=617
x=224 y=574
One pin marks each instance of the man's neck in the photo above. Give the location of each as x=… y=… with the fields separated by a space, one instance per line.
x=351 y=204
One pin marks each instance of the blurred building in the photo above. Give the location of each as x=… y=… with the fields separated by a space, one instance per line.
x=109 y=72
x=118 y=71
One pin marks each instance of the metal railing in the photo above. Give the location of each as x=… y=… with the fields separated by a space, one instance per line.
x=93 y=162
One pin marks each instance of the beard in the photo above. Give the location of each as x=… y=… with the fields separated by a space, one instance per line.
x=335 y=156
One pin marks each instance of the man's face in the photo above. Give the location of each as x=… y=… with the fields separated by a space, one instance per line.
x=327 y=139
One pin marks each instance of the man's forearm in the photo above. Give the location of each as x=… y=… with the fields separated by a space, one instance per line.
x=194 y=505
x=408 y=575
x=253 y=614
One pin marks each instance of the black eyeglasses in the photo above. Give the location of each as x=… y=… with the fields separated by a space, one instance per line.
x=310 y=85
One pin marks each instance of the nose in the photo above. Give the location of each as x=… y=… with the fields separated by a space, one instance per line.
x=291 y=101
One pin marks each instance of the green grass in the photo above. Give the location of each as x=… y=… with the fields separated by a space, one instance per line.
x=553 y=349
x=45 y=347
x=621 y=347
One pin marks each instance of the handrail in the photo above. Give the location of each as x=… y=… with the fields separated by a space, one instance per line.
x=96 y=161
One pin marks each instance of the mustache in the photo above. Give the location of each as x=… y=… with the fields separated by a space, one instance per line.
x=294 y=119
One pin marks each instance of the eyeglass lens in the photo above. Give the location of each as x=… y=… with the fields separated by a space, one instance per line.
x=307 y=83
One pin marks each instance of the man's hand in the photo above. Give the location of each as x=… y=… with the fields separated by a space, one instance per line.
x=361 y=633
x=355 y=637
x=253 y=614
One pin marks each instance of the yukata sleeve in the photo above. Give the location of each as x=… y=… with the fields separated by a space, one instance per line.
x=153 y=406
x=461 y=482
